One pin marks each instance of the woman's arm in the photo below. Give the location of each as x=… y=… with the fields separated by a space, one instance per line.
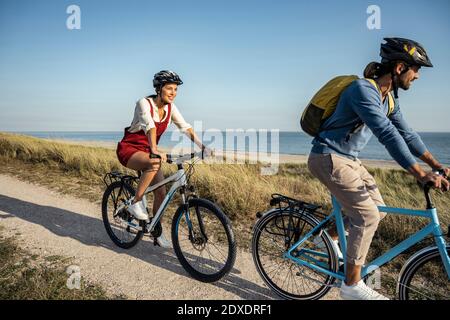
x=185 y=127
x=151 y=135
x=194 y=138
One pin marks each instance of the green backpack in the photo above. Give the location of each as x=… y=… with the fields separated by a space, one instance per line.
x=324 y=103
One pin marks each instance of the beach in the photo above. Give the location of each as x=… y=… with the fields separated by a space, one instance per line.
x=239 y=156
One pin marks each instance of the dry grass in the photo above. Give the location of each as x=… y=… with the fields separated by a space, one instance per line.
x=24 y=276
x=238 y=189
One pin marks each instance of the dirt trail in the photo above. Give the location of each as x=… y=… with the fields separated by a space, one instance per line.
x=48 y=223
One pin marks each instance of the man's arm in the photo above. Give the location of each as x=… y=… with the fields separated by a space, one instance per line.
x=428 y=158
x=414 y=142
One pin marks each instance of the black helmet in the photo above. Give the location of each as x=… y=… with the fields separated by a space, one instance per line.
x=409 y=51
x=165 y=76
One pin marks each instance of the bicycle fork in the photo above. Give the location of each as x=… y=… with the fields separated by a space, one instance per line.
x=187 y=215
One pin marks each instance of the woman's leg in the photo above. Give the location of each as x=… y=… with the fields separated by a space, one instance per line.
x=159 y=193
x=141 y=161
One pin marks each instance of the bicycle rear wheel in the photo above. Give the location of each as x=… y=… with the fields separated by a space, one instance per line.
x=203 y=240
x=425 y=278
x=123 y=229
x=273 y=235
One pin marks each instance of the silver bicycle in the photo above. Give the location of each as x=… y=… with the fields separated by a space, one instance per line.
x=202 y=236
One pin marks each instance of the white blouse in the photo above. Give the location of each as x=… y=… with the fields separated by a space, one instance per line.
x=143 y=120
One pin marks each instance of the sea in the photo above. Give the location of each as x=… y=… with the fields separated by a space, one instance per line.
x=294 y=143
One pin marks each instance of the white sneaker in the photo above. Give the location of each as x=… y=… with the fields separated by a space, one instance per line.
x=360 y=291
x=138 y=210
x=163 y=242
x=321 y=245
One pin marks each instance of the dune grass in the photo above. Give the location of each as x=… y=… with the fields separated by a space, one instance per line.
x=238 y=189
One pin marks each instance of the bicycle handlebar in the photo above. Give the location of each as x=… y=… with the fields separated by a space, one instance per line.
x=180 y=158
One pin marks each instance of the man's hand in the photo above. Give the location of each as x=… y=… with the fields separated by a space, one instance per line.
x=437 y=181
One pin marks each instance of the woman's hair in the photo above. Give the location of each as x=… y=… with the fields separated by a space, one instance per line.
x=374 y=70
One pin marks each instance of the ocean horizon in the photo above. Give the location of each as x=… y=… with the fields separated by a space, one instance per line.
x=289 y=142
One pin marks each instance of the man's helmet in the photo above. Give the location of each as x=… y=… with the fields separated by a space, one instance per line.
x=165 y=76
x=408 y=51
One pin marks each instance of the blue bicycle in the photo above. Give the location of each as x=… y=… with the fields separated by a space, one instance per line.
x=295 y=265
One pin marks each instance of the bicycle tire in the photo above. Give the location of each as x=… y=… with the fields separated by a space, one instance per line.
x=415 y=273
x=257 y=250
x=106 y=221
x=185 y=257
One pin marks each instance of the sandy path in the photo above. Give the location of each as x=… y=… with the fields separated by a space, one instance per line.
x=52 y=224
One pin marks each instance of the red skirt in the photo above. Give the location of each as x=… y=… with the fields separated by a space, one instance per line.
x=130 y=144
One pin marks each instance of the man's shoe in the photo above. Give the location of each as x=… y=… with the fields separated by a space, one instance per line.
x=359 y=291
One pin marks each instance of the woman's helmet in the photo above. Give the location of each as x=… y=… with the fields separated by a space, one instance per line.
x=408 y=51
x=165 y=76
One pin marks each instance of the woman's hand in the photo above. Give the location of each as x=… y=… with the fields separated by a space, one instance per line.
x=207 y=152
x=436 y=180
x=157 y=154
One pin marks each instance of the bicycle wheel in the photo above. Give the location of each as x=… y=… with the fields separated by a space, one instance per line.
x=123 y=229
x=203 y=240
x=273 y=235
x=425 y=278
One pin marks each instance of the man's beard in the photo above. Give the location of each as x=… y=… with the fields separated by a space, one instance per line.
x=403 y=84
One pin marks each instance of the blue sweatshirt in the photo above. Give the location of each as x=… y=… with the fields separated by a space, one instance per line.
x=360 y=114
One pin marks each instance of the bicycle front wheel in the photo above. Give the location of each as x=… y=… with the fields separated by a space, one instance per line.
x=203 y=240
x=425 y=278
x=274 y=234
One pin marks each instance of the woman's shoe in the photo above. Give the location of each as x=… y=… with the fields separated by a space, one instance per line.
x=138 y=210
x=163 y=242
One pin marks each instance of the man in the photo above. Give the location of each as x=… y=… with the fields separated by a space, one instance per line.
x=360 y=113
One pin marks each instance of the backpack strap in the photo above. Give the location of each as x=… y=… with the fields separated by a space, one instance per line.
x=391 y=101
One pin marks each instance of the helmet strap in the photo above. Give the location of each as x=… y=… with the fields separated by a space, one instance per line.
x=394 y=78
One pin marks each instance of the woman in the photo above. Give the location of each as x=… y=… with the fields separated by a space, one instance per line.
x=138 y=149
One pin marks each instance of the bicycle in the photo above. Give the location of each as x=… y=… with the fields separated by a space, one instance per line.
x=202 y=236
x=283 y=238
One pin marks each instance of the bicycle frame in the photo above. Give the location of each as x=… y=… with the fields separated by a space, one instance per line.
x=433 y=228
x=179 y=179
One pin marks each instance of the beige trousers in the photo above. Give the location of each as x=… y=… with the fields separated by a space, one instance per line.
x=356 y=190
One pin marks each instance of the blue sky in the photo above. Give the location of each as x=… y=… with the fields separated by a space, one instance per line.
x=245 y=64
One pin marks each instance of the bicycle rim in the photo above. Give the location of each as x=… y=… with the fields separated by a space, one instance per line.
x=426 y=280
x=287 y=278
x=117 y=222
x=203 y=241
